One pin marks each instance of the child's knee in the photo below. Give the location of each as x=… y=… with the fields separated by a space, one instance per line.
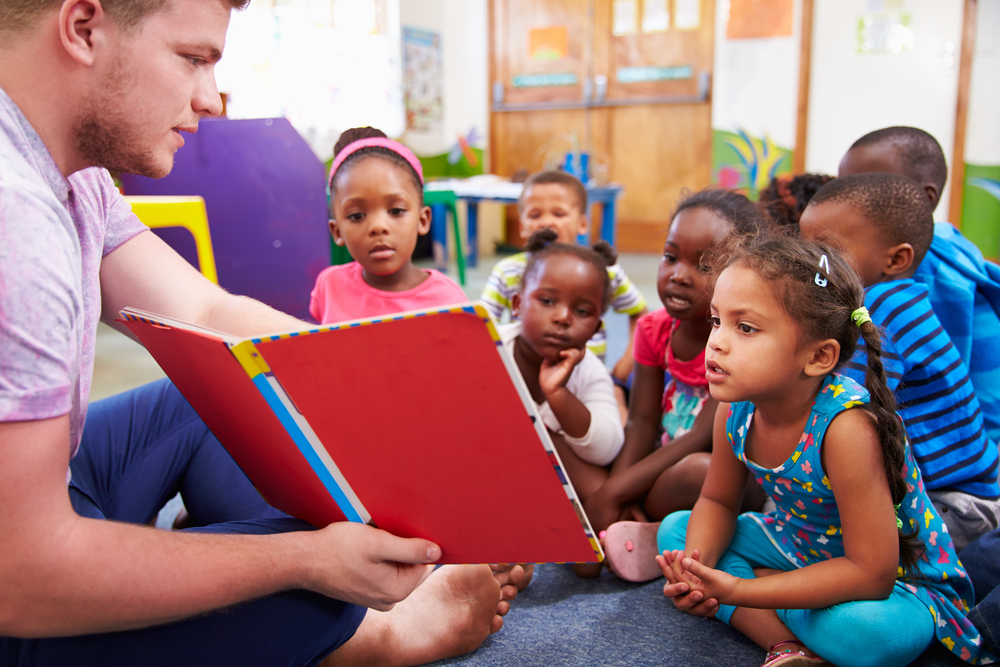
x=672 y=532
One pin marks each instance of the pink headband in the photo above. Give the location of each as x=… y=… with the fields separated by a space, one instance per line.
x=382 y=142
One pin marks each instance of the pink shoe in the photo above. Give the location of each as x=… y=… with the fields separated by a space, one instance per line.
x=630 y=550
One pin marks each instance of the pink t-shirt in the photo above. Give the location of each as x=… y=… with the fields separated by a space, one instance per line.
x=652 y=347
x=342 y=294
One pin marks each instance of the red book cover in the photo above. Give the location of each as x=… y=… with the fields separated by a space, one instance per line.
x=417 y=423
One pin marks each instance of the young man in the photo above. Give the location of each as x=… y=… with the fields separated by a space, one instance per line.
x=86 y=84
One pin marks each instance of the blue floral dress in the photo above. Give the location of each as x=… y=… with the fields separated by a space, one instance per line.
x=806 y=527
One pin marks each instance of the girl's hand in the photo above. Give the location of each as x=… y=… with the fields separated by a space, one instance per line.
x=552 y=376
x=684 y=588
x=711 y=582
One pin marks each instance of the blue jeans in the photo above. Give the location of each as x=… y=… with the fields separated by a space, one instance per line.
x=138 y=450
x=982 y=561
x=876 y=633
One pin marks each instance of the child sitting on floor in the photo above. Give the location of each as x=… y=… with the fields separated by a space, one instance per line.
x=377 y=210
x=964 y=289
x=883 y=223
x=565 y=290
x=558 y=201
x=669 y=403
x=854 y=566
x=787 y=196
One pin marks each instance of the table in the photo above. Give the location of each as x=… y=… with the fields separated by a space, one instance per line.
x=474 y=191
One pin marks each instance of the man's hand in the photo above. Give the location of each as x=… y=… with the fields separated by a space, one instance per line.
x=366 y=566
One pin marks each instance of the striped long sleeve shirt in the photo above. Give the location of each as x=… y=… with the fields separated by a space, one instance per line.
x=939 y=407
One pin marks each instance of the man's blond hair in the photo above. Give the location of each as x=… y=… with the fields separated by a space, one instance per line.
x=18 y=15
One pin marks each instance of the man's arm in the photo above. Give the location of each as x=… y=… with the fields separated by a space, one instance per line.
x=146 y=273
x=61 y=574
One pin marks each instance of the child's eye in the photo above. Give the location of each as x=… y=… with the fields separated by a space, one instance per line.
x=544 y=300
x=716 y=322
x=668 y=257
x=355 y=217
x=745 y=328
x=583 y=312
x=704 y=268
x=397 y=211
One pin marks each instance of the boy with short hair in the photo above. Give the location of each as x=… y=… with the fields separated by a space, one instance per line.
x=964 y=289
x=885 y=227
x=558 y=200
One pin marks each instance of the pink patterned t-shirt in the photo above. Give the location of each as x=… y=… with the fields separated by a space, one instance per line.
x=54 y=232
x=342 y=294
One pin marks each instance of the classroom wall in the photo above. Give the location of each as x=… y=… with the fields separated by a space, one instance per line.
x=754 y=103
x=463 y=28
x=853 y=93
x=981 y=200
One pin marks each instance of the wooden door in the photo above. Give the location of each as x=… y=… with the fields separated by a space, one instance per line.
x=642 y=105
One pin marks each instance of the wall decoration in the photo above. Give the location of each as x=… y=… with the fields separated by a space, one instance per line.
x=545 y=79
x=759 y=18
x=422 y=79
x=981 y=208
x=625 y=18
x=655 y=16
x=886 y=33
x=641 y=74
x=747 y=163
x=687 y=14
x=549 y=43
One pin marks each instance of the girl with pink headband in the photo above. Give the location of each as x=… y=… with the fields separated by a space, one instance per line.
x=377 y=210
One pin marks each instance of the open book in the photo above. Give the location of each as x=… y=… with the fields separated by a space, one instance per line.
x=418 y=423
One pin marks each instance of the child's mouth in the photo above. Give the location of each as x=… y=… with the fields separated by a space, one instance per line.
x=714 y=372
x=677 y=302
x=381 y=252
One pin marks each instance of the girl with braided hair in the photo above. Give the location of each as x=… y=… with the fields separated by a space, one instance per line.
x=852 y=567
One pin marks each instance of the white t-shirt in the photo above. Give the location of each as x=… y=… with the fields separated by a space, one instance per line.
x=590 y=382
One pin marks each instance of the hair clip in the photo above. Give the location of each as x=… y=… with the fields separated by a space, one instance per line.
x=823 y=263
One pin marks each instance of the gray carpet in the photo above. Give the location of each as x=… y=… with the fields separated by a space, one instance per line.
x=562 y=620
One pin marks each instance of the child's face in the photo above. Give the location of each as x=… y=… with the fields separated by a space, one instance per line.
x=553 y=206
x=377 y=215
x=684 y=285
x=753 y=352
x=560 y=305
x=844 y=225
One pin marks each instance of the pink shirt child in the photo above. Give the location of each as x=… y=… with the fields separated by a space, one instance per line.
x=342 y=294
x=686 y=388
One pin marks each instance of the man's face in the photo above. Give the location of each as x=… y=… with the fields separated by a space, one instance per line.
x=155 y=84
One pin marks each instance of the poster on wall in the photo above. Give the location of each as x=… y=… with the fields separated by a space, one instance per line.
x=688 y=14
x=422 y=79
x=886 y=32
x=548 y=43
x=749 y=19
x=625 y=20
x=655 y=16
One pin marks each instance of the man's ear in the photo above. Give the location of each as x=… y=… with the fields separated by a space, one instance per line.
x=424 y=224
x=899 y=259
x=335 y=233
x=82 y=27
x=515 y=305
x=823 y=357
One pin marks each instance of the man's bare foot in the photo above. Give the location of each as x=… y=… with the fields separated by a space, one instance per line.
x=450 y=614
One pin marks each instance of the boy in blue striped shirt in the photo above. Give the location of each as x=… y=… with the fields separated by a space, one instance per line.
x=885 y=226
x=964 y=289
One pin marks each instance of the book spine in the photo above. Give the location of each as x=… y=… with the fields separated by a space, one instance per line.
x=300 y=432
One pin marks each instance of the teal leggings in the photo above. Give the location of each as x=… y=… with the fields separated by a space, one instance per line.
x=886 y=632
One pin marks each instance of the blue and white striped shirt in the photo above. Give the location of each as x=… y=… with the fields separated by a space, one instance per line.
x=937 y=402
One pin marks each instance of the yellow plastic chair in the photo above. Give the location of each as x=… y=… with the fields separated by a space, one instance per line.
x=186 y=212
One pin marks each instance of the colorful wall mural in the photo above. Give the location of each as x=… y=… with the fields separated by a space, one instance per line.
x=981 y=208
x=747 y=163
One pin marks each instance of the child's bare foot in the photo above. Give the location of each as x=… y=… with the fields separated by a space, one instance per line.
x=450 y=614
x=630 y=549
x=529 y=572
x=588 y=570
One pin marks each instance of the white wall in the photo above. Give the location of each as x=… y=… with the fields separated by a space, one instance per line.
x=463 y=28
x=982 y=138
x=853 y=93
x=756 y=81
